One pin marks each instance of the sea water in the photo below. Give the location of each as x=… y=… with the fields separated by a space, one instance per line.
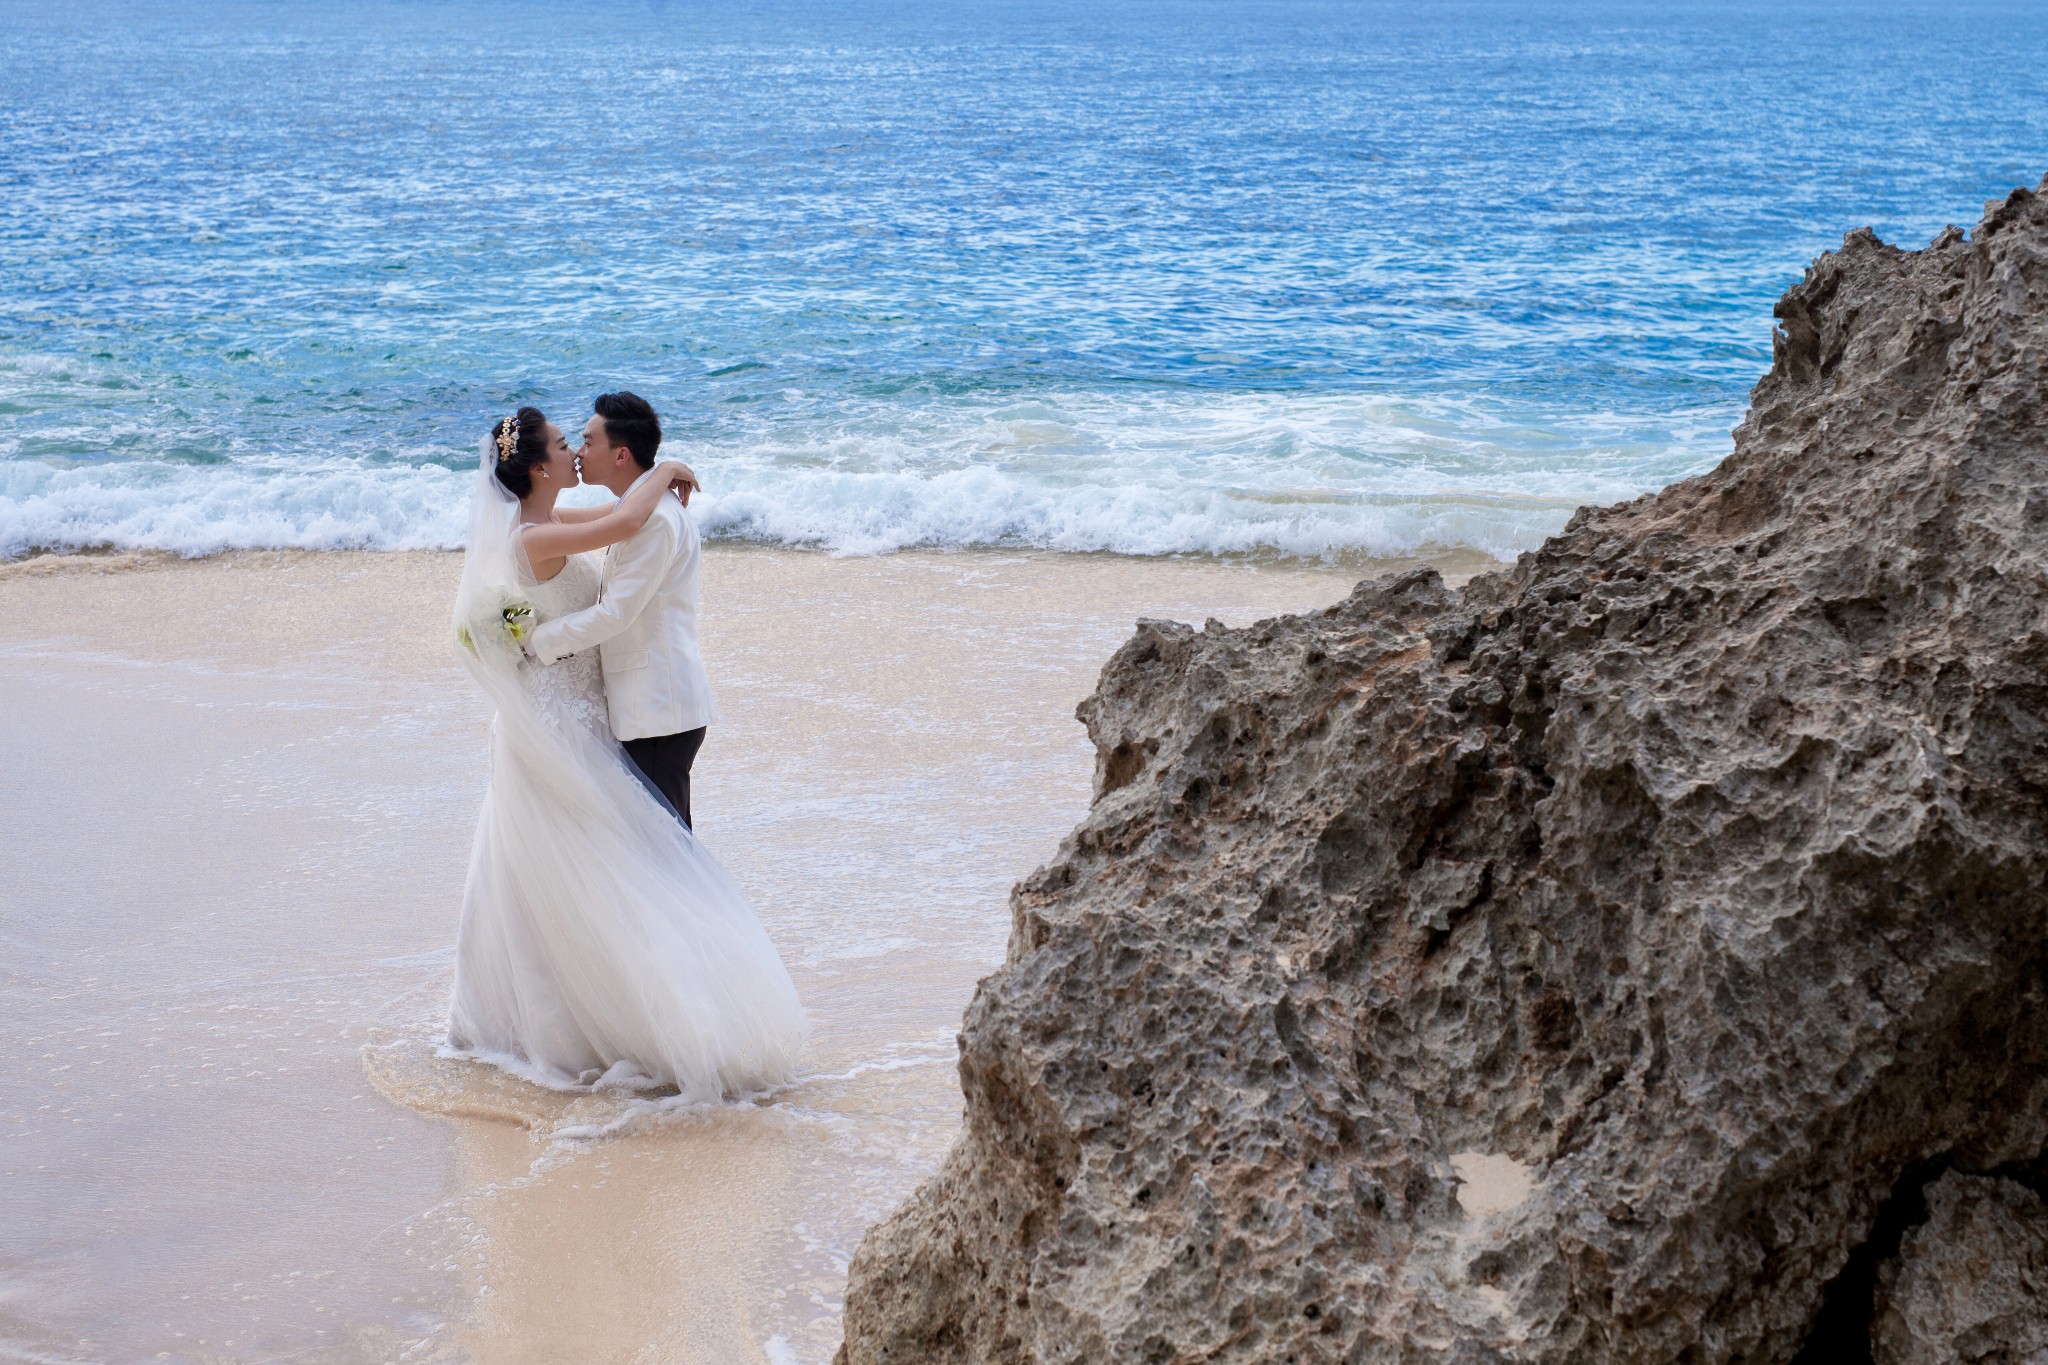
x=1280 y=277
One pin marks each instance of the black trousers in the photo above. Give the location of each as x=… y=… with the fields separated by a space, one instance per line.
x=664 y=760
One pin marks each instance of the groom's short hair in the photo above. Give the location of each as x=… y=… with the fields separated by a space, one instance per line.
x=630 y=422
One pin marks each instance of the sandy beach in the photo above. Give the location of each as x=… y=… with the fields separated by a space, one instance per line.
x=238 y=801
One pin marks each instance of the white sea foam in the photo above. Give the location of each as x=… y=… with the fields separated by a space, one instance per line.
x=872 y=512
x=195 y=510
x=1214 y=475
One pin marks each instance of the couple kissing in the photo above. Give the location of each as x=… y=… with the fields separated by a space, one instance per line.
x=601 y=944
x=643 y=622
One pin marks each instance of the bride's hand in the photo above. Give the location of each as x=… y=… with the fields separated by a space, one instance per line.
x=682 y=479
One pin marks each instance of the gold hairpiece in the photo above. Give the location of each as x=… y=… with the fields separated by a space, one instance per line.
x=508 y=438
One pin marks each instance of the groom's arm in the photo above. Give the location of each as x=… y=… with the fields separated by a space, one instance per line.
x=636 y=571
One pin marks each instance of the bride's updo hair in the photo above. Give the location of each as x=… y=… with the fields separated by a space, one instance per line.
x=529 y=447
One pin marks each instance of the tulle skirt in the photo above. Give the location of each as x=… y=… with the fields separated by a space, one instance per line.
x=602 y=943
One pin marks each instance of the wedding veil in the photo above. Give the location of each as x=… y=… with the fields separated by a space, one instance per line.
x=494 y=571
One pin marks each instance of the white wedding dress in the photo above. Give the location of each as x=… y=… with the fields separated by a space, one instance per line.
x=573 y=689
x=601 y=944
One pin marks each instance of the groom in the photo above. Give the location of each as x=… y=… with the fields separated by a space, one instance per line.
x=644 y=623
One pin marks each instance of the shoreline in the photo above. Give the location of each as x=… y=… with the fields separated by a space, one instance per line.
x=1455 y=563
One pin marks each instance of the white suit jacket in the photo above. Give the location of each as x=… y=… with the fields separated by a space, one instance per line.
x=644 y=626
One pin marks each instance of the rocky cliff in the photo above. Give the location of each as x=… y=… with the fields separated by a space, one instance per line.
x=1580 y=967
x=1970 y=1283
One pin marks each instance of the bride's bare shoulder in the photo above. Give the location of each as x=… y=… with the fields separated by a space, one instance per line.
x=538 y=570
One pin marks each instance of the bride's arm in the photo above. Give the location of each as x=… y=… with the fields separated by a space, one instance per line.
x=637 y=570
x=609 y=525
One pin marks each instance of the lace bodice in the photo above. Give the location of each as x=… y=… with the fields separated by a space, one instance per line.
x=573 y=687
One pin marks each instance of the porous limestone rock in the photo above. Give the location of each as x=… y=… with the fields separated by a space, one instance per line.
x=1970 y=1285
x=1563 y=969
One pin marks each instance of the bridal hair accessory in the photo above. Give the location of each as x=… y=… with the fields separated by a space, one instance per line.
x=508 y=437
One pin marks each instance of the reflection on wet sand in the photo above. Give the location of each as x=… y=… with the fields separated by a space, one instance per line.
x=592 y=1253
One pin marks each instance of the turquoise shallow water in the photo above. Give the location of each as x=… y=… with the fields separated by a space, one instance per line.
x=1243 y=275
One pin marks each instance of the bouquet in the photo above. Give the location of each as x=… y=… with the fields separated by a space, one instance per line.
x=507 y=618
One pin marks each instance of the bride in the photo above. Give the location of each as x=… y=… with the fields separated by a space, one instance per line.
x=601 y=943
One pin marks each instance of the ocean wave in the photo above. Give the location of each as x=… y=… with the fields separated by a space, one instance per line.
x=1296 y=477
x=875 y=512
x=188 y=511
x=148 y=505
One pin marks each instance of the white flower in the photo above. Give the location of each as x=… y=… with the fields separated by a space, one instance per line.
x=507 y=619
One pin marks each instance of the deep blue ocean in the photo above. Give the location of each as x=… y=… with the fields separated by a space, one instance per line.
x=1212 y=276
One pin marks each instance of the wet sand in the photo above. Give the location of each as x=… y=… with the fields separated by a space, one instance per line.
x=236 y=810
